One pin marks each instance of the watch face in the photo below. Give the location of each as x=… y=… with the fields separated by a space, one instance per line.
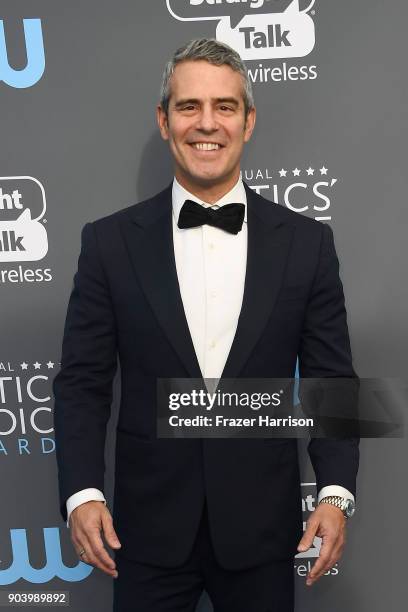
x=350 y=508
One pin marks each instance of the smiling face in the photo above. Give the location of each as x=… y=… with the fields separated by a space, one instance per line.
x=206 y=126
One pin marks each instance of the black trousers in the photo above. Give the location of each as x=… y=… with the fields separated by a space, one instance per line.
x=146 y=588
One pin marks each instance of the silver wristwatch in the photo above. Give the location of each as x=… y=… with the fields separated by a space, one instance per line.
x=346 y=505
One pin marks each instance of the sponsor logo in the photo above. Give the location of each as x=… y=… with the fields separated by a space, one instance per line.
x=34 y=69
x=308 y=505
x=304 y=561
x=21 y=568
x=23 y=236
x=257 y=32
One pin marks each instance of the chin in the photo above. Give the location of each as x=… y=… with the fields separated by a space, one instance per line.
x=210 y=175
x=206 y=180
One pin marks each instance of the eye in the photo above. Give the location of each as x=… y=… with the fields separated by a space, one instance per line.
x=226 y=108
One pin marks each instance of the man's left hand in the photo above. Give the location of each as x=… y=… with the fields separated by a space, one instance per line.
x=329 y=523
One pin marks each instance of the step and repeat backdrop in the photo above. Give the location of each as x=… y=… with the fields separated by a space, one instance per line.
x=79 y=82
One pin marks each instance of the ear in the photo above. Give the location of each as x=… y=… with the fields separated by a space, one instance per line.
x=162 y=122
x=250 y=124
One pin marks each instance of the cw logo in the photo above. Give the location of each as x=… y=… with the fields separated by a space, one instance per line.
x=54 y=567
x=35 y=66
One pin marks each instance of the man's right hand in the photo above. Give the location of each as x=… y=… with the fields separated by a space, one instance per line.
x=88 y=522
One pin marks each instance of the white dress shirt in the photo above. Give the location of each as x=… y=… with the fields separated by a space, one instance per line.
x=211 y=266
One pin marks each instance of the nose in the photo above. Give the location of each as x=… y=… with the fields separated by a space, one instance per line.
x=207 y=121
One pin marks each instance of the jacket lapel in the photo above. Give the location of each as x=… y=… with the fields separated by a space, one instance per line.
x=149 y=238
x=269 y=239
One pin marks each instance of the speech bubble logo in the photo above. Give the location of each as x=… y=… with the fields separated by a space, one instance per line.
x=203 y=10
x=314 y=550
x=22 y=235
x=254 y=34
x=271 y=36
x=234 y=10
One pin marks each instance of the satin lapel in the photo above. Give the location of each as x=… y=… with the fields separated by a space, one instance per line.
x=269 y=240
x=149 y=238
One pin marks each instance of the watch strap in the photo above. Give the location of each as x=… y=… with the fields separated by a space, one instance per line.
x=336 y=500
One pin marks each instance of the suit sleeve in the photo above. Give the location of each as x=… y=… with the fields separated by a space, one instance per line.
x=83 y=386
x=325 y=352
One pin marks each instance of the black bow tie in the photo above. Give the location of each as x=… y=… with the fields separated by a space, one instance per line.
x=229 y=217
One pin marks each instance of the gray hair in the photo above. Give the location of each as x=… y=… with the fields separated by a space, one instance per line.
x=214 y=52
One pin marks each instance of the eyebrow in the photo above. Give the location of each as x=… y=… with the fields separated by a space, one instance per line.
x=230 y=100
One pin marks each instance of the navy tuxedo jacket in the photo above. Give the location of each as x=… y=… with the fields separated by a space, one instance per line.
x=126 y=304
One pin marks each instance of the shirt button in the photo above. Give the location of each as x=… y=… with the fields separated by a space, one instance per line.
x=212 y=345
x=211 y=246
x=213 y=294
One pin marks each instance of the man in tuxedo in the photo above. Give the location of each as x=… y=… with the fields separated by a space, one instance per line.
x=205 y=279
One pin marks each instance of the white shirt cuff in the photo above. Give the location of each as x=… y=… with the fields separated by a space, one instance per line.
x=83 y=496
x=334 y=490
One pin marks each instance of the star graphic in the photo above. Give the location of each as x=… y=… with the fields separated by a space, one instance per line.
x=50 y=365
x=296 y=172
x=37 y=365
x=24 y=365
x=323 y=170
x=282 y=172
x=310 y=171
